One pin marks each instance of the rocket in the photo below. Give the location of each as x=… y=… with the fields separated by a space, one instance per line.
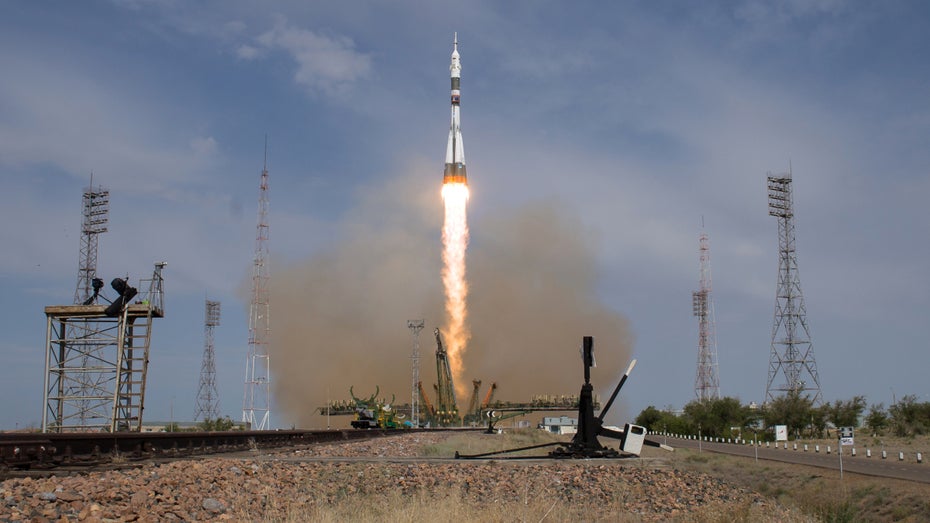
x=455 y=153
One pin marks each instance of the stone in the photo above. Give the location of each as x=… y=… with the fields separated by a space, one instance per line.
x=213 y=505
x=47 y=496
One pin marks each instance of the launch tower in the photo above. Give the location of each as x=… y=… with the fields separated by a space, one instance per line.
x=256 y=405
x=792 y=354
x=707 y=382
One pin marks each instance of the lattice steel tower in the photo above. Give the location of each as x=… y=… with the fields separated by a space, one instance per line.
x=792 y=354
x=707 y=382
x=415 y=327
x=95 y=216
x=208 y=400
x=90 y=383
x=256 y=406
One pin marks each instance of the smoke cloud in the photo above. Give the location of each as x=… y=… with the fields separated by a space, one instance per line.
x=339 y=318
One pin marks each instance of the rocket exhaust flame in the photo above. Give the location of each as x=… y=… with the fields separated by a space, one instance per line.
x=454 y=244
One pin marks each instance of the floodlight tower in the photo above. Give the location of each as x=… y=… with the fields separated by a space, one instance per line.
x=208 y=400
x=792 y=354
x=95 y=214
x=256 y=406
x=415 y=327
x=94 y=219
x=707 y=382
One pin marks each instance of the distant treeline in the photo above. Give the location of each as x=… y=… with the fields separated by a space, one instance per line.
x=728 y=418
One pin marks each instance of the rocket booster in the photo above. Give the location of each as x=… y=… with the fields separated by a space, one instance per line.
x=455 y=153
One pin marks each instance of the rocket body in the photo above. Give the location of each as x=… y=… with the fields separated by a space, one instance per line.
x=455 y=153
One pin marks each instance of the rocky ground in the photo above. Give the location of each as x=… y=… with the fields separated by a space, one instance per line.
x=289 y=486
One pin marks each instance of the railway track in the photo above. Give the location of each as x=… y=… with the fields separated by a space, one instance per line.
x=22 y=453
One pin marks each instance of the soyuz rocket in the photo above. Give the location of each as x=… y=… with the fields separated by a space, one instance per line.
x=455 y=154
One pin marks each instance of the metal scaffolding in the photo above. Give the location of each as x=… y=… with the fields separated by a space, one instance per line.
x=707 y=381
x=208 y=400
x=109 y=343
x=792 y=354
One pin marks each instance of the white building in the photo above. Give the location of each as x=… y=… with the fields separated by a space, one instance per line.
x=560 y=425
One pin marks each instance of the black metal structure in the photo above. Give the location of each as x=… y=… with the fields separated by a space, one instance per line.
x=585 y=444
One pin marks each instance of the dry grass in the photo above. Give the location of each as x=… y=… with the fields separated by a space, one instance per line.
x=816 y=492
x=453 y=506
x=480 y=443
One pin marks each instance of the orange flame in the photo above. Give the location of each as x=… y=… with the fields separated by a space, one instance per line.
x=454 y=243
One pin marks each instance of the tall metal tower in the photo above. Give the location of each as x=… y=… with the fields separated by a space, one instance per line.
x=707 y=382
x=95 y=211
x=415 y=327
x=256 y=406
x=792 y=354
x=208 y=400
x=95 y=216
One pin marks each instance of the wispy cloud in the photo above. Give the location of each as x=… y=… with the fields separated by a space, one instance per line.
x=325 y=64
x=78 y=121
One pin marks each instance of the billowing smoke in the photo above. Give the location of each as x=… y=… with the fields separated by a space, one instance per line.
x=339 y=318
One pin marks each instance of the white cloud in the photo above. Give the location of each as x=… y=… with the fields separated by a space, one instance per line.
x=247 y=52
x=326 y=64
x=203 y=146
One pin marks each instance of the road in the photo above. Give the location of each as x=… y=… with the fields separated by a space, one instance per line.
x=874 y=466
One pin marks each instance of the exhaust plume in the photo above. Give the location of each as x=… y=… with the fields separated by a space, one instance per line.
x=340 y=316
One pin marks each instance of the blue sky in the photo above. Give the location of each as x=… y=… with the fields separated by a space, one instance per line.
x=633 y=120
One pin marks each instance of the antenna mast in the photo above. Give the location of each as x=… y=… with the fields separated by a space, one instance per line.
x=707 y=382
x=792 y=354
x=208 y=400
x=256 y=406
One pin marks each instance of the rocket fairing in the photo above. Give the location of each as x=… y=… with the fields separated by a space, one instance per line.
x=455 y=153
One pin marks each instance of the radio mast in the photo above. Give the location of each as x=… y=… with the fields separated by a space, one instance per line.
x=256 y=406
x=707 y=382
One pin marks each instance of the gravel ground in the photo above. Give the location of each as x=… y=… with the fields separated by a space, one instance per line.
x=275 y=486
